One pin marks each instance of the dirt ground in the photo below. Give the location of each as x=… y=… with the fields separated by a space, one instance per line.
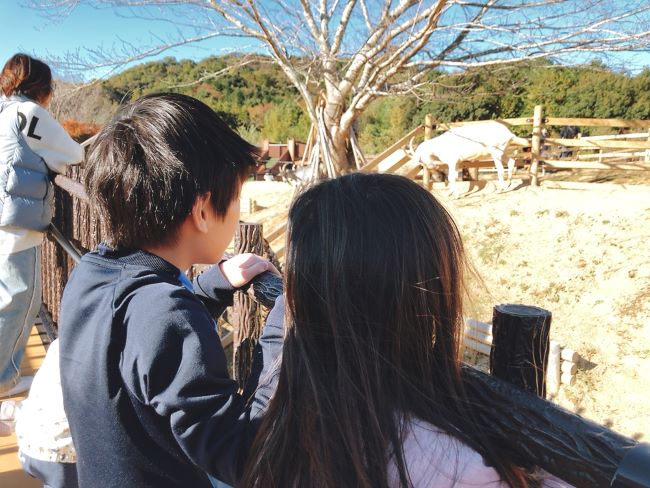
x=577 y=248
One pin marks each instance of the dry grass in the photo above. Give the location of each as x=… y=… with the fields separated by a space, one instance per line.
x=581 y=253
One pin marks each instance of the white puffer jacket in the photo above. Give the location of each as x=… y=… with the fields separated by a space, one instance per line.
x=31 y=143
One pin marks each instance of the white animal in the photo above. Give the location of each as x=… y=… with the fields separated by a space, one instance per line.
x=296 y=174
x=467 y=143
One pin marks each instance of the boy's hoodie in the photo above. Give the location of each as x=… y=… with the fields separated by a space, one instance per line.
x=145 y=380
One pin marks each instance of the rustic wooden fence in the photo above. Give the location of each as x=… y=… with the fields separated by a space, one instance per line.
x=562 y=366
x=75 y=220
x=615 y=151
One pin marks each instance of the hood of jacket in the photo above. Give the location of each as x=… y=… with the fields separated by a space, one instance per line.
x=11 y=100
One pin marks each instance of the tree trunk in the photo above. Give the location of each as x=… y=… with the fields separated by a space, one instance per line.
x=342 y=157
x=339 y=137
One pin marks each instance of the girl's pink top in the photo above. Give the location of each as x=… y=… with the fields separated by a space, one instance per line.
x=435 y=459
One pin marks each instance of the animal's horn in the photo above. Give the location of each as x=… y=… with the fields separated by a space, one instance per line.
x=410 y=151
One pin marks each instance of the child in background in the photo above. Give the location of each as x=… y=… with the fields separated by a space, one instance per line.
x=32 y=144
x=145 y=381
x=45 y=445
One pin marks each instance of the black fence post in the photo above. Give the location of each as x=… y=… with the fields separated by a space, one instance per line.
x=521 y=346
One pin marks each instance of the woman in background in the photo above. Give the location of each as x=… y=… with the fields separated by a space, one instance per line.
x=32 y=144
x=369 y=390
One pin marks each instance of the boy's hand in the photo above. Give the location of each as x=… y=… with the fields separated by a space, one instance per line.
x=242 y=268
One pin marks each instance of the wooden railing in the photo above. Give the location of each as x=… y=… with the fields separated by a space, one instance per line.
x=372 y=165
x=624 y=151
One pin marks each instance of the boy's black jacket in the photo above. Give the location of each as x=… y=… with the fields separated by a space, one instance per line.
x=145 y=384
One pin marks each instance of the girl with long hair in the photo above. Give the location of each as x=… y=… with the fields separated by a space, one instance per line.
x=369 y=390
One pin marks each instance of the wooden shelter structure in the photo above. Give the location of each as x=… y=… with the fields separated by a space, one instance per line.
x=274 y=156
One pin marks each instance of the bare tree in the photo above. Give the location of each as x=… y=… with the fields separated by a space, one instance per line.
x=343 y=54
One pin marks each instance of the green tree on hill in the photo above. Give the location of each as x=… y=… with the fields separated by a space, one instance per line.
x=257 y=100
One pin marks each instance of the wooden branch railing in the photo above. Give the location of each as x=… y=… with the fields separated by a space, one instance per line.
x=537 y=432
x=598 y=143
x=81 y=229
x=509 y=122
x=372 y=165
x=559 y=121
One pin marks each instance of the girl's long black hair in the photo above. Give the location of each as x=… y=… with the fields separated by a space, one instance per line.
x=374 y=286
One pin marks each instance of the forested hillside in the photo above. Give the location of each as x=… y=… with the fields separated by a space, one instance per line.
x=258 y=100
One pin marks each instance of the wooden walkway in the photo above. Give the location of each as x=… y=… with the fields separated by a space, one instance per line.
x=11 y=474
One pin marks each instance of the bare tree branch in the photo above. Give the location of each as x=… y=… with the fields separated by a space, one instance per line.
x=311 y=23
x=366 y=15
x=343 y=24
x=465 y=31
x=354 y=51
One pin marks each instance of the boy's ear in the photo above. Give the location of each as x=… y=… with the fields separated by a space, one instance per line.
x=201 y=211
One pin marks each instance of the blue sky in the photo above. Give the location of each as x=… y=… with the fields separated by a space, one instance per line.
x=29 y=30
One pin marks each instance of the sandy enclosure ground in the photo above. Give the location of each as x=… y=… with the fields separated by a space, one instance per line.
x=580 y=250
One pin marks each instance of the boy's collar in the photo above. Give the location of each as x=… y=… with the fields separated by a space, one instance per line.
x=139 y=257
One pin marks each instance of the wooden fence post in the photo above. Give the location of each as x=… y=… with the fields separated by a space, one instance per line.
x=428 y=134
x=428 y=126
x=646 y=158
x=247 y=316
x=554 y=370
x=538 y=122
x=521 y=346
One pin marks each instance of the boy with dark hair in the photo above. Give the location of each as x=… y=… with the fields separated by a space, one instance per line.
x=145 y=383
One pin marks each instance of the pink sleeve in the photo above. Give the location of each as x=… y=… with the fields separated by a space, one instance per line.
x=551 y=481
x=434 y=458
